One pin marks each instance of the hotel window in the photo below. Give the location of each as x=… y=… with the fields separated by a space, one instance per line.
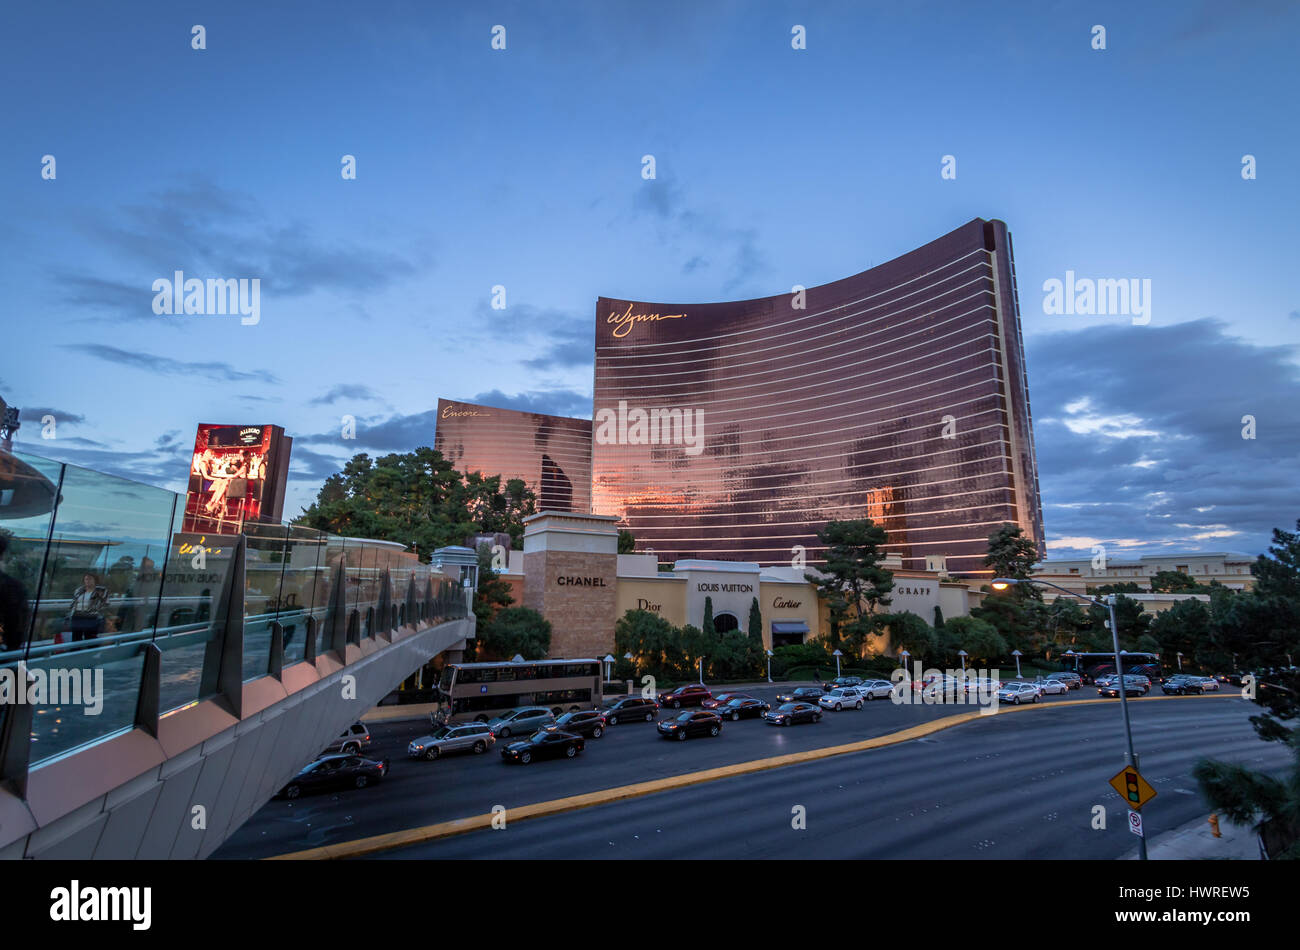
x=1181 y=568
x=1074 y=570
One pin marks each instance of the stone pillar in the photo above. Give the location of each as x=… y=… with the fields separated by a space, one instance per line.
x=571 y=577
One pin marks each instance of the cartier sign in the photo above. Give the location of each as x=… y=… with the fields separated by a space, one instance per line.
x=781 y=602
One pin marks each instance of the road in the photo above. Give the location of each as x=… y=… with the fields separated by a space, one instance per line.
x=1005 y=786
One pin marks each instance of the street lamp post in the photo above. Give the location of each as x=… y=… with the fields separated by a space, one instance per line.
x=1002 y=583
x=963 y=654
x=1180 y=661
x=837 y=654
x=1017 y=654
x=701 y=662
x=769 y=665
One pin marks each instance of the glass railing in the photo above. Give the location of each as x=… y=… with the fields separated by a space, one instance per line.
x=106 y=573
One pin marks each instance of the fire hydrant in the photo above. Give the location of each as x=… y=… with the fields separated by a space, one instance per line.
x=1214 y=826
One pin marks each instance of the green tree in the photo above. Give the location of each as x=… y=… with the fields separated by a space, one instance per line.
x=1173 y=582
x=852 y=582
x=1184 y=628
x=1018 y=613
x=909 y=632
x=1123 y=587
x=417 y=499
x=756 y=624
x=516 y=630
x=709 y=630
x=938 y=617
x=652 y=641
x=1066 y=621
x=979 y=638
x=1133 y=621
x=626 y=542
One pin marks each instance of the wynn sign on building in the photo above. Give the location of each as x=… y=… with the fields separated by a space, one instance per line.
x=736 y=430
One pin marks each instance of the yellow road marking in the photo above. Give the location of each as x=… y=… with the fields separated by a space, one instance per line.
x=445 y=829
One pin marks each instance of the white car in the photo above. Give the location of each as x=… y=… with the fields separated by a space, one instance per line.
x=1209 y=683
x=1017 y=693
x=983 y=686
x=840 y=697
x=1053 y=687
x=876 y=689
x=944 y=686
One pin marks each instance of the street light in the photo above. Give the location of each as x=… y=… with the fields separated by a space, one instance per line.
x=769 y=665
x=1002 y=583
x=1180 y=661
x=837 y=654
x=1017 y=654
x=904 y=655
x=608 y=661
x=701 y=662
x=963 y=654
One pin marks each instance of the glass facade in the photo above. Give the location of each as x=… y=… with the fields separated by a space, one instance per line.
x=737 y=430
x=99 y=568
x=552 y=454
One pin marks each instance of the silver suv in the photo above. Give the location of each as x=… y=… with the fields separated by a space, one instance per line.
x=474 y=736
x=353 y=739
x=522 y=721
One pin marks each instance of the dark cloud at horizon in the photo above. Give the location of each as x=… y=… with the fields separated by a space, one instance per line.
x=221 y=372
x=1139 y=438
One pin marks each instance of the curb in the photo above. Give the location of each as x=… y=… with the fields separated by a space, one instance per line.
x=359 y=847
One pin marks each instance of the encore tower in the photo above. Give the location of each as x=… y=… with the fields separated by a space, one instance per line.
x=898 y=394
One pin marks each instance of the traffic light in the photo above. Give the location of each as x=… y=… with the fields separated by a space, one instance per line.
x=1131 y=786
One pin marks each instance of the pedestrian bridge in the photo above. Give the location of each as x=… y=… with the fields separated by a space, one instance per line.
x=217 y=667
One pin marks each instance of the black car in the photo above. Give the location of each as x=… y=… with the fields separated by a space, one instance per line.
x=336 y=771
x=1182 y=686
x=630 y=709
x=702 y=722
x=722 y=699
x=746 y=707
x=804 y=694
x=584 y=722
x=843 y=681
x=792 y=713
x=544 y=744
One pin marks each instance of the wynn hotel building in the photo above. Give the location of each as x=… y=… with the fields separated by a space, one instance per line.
x=897 y=394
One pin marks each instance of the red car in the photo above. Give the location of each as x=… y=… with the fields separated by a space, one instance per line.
x=692 y=695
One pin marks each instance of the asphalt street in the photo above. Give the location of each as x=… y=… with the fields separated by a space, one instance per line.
x=1018 y=782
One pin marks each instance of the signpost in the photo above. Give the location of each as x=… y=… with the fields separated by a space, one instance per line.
x=1133 y=788
x=1135 y=823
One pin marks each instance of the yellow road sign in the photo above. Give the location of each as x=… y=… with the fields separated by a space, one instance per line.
x=1132 y=787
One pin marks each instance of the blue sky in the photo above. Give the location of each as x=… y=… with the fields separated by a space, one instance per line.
x=522 y=167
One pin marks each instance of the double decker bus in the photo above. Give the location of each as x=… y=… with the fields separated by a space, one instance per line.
x=479 y=691
x=1092 y=665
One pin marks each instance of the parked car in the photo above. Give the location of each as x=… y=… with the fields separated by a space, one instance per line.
x=520 y=721
x=352 y=740
x=844 y=681
x=1017 y=693
x=804 y=694
x=742 y=708
x=1072 y=680
x=839 y=697
x=473 y=736
x=544 y=744
x=983 y=686
x=1051 y=687
x=876 y=689
x=630 y=709
x=692 y=694
x=1209 y=684
x=722 y=699
x=1132 y=686
x=588 y=723
x=789 y=714
x=336 y=771
x=701 y=722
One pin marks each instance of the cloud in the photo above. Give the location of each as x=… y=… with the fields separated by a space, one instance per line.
x=554 y=402
x=354 y=391
x=1128 y=450
x=222 y=372
x=61 y=416
x=206 y=231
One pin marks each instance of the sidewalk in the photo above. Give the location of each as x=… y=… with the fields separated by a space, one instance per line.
x=1195 y=841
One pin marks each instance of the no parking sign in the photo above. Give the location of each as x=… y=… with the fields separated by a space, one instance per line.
x=1135 y=823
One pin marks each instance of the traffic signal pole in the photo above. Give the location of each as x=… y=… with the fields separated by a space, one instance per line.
x=1123 y=703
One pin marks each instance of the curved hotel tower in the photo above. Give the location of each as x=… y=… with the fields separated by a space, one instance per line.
x=552 y=454
x=735 y=431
